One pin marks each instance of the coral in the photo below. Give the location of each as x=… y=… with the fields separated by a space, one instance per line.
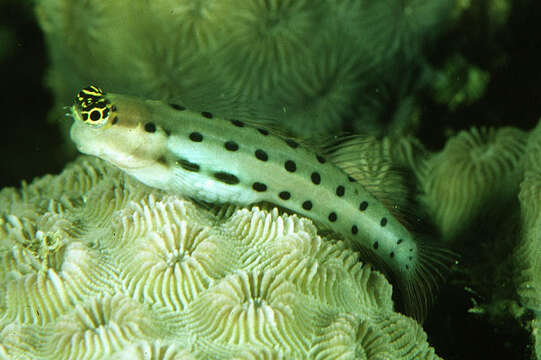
x=311 y=66
x=97 y=327
x=477 y=174
x=527 y=265
x=156 y=350
x=267 y=41
x=459 y=83
x=496 y=13
x=96 y=265
x=301 y=63
x=399 y=27
x=529 y=281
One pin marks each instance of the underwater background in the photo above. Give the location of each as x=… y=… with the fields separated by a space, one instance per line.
x=487 y=62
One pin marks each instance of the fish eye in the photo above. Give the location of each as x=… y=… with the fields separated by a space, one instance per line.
x=150 y=127
x=95 y=115
x=93 y=107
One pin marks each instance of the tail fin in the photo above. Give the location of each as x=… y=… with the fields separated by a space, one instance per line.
x=419 y=287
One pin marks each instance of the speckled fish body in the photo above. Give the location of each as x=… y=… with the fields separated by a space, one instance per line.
x=197 y=155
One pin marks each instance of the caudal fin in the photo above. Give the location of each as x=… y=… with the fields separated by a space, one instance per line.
x=419 y=287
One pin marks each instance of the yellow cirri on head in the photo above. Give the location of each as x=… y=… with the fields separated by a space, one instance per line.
x=92 y=107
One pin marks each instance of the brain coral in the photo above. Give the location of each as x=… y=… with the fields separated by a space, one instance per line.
x=95 y=265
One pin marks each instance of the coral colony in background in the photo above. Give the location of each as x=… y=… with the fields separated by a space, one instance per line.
x=94 y=264
x=303 y=63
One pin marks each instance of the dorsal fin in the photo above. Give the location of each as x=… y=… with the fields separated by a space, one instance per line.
x=231 y=105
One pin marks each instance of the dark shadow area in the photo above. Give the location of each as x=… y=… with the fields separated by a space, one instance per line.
x=30 y=146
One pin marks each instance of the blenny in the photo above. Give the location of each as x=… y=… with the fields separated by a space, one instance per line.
x=198 y=155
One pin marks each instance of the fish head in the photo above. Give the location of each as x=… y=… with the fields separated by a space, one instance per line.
x=116 y=128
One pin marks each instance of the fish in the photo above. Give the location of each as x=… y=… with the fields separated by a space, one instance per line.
x=198 y=155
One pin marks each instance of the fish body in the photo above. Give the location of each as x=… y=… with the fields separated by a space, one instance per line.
x=197 y=155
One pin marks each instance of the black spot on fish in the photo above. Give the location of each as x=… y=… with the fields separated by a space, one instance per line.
x=290 y=166
x=284 y=195
x=399 y=242
x=321 y=159
x=189 y=166
x=340 y=190
x=316 y=179
x=85 y=116
x=391 y=254
x=407 y=267
x=150 y=127
x=375 y=245
x=363 y=206
x=257 y=186
x=263 y=131
x=354 y=229
x=350 y=179
x=261 y=155
x=292 y=143
x=231 y=146
x=113 y=108
x=206 y=114
x=161 y=160
x=226 y=178
x=115 y=120
x=197 y=137
x=237 y=123
x=332 y=217
x=177 y=107
x=383 y=221
x=307 y=205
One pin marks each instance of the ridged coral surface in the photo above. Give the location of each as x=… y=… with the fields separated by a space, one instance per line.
x=95 y=265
